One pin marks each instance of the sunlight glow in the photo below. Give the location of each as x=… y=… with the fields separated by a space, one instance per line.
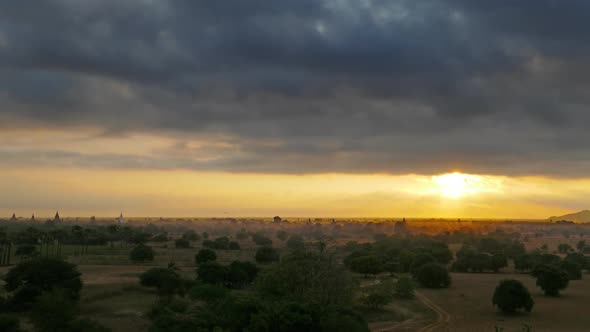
x=456 y=185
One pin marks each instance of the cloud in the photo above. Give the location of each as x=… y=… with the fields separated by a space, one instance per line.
x=306 y=86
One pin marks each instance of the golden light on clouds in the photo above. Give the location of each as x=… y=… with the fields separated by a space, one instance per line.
x=457 y=185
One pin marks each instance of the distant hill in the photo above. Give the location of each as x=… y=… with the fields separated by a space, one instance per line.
x=578 y=217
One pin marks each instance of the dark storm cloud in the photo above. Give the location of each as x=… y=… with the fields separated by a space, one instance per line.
x=306 y=86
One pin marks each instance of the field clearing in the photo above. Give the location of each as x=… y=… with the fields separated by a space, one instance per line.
x=469 y=302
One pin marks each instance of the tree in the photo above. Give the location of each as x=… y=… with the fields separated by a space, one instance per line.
x=573 y=270
x=205 y=255
x=9 y=323
x=261 y=240
x=366 y=265
x=212 y=273
x=240 y=274
x=581 y=245
x=498 y=261
x=282 y=235
x=404 y=288
x=233 y=245
x=191 y=235
x=266 y=255
x=29 y=279
x=375 y=300
x=564 y=248
x=511 y=295
x=419 y=261
x=182 y=243
x=433 y=275
x=166 y=280
x=551 y=279
x=26 y=251
x=142 y=253
x=53 y=311
x=296 y=242
x=308 y=278
x=343 y=320
x=208 y=293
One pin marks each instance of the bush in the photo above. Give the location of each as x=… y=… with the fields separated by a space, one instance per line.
x=266 y=255
x=375 y=300
x=573 y=270
x=433 y=275
x=233 y=245
x=512 y=295
x=240 y=274
x=142 y=253
x=9 y=323
x=182 y=243
x=204 y=256
x=404 y=288
x=551 y=279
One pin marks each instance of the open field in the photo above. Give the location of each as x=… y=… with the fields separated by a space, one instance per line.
x=469 y=302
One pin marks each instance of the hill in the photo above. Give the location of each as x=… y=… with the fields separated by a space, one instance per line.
x=578 y=217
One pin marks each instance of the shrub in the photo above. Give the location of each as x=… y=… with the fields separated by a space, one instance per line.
x=142 y=253
x=208 y=293
x=53 y=311
x=512 y=295
x=233 y=245
x=433 y=275
x=205 y=255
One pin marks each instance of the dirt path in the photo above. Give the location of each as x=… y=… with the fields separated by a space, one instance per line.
x=443 y=317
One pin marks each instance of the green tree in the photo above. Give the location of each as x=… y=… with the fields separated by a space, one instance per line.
x=9 y=323
x=233 y=245
x=182 y=243
x=29 y=279
x=551 y=279
x=53 y=311
x=404 y=288
x=212 y=273
x=366 y=265
x=142 y=253
x=511 y=295
x=266 y=255
x=282 y=235
x=498 y=261
x=419 y=261
x=166 y=280
x=204 y=256
x=296 y=242
x=433 y=275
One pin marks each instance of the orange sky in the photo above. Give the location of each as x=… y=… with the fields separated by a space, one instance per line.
x=102 y=192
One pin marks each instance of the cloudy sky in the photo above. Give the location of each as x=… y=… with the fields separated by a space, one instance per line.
x=295 y=107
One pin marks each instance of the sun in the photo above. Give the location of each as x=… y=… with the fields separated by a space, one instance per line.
x=456 y=185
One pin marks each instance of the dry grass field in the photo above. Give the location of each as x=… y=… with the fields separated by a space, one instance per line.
x=469 y=302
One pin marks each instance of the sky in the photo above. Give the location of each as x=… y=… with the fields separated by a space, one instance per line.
x=328 y=108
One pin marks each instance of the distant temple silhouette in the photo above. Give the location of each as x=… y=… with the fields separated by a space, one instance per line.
x=121 y=220
x=13 y=218
x=57 y=218
x=33 y=217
